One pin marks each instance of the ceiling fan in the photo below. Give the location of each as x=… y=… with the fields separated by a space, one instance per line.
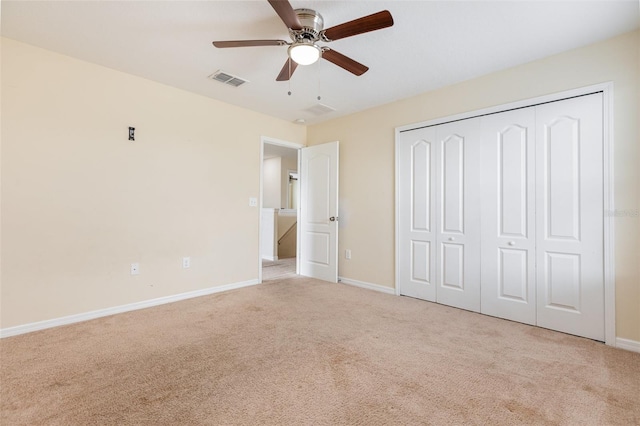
x=306 y=30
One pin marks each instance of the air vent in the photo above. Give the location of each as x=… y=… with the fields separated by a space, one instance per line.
x=226 y=78
x=320 y=109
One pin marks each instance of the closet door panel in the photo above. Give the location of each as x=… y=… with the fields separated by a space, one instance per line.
x=508 y=215
x=569 y=210
x=458 y=225
x=416 y=233
x=452 y=195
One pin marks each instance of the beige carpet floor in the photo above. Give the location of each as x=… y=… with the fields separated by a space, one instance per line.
x=302 y=352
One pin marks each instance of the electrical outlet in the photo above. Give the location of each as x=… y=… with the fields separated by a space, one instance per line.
x=347 y=254
x=135 y=269
x=186 y=262
x=253 y=202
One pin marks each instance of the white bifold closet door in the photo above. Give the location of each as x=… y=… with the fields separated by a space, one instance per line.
x=570 y=216
x=503 y=214
x=542 y=216
x=508 y=215
x=438 y=213
x=416 y=162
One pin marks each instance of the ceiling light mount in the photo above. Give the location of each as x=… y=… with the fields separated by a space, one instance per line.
x=312 y=24
x=304 y=50
x=304 y=53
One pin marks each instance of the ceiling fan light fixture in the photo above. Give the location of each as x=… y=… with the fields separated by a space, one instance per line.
x=304 y=53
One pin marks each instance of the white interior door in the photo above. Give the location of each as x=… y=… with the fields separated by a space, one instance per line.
x=569 y=211
x=438 y=214
x=458 y=219
x=318 y=225
x=508 y=278
x=416 y=223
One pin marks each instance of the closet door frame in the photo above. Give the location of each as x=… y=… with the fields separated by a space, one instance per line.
x=608 y=173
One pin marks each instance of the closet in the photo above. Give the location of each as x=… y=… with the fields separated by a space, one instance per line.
x=503 y=214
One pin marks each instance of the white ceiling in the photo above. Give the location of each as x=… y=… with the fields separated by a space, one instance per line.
x=432 y=44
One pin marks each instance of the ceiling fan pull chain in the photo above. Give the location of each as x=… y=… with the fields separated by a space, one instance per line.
x=289 y=79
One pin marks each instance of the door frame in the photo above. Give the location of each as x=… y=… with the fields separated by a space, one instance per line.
x=293 y=145
x=608 y=182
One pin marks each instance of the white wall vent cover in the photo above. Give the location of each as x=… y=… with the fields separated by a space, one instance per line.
x=226 y=78
x=320 y=109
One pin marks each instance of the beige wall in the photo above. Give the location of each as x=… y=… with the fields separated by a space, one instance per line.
x=286 y=219
x=80 y=203
x=367 y=157
x=271 y=183
x=275 y=181
x=287 y=164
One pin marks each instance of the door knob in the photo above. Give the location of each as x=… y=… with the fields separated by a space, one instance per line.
x=451 y=239
x=333 y=219
x=512 y=243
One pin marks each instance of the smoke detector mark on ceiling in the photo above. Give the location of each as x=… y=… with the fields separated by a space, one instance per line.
x=226 y=78
x=320 y=109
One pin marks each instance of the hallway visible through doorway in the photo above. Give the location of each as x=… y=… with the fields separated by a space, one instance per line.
x=279 y=210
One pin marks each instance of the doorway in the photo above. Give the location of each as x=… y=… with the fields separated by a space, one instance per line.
x=279 y=209
x=316 y=212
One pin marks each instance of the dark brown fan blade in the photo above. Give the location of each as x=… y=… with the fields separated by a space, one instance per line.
x=248 y=43
x=344 y=61
x=286 y=13
x=287 y=70
x=377 y=21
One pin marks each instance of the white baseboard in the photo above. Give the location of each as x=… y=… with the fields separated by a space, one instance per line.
x=71 y=319
x=628 y=344
x=270 y=258
x=368 y=286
